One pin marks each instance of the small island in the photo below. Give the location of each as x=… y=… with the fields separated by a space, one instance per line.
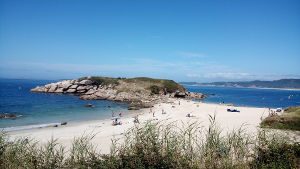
x=139 y=92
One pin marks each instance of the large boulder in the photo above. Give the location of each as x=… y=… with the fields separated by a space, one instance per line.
x=84 y=87
x=73 y=87
x=71 y=91
x=39 y=89
x=65 y=84
x=81 y=91
x=52 y=88
x=180 y=94
x=193 y=95
x=59 y=90
x=91 y=91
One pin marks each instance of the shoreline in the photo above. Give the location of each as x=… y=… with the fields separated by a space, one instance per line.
x=267 y=88
x=129 y=114
x=105 y=132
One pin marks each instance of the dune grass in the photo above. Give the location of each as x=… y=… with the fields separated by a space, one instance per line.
x=289 y=120
x=158 y=145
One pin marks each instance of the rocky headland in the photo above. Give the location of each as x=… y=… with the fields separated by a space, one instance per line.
x=139 y=92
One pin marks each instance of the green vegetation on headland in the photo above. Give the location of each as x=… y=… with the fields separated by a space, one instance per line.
x=139 y=92
x=290 y=119
x=153 y=145
x=282 y=83
x=146 y=82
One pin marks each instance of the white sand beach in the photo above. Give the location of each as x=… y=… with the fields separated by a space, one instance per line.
x=104 y=130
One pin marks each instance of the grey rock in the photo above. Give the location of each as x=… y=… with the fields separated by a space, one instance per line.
x=73 y=87
x=64 y=123
x=71 y=91
x=81 y=91
x=39 y=89
x=8 y=116
x=84 y=87
x=86 y=82
x=52 y=88
x=59 y=90
x=65 y=84
x=91 y=91
x=180 y=94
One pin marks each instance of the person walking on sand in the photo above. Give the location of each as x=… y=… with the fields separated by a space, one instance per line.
x=112 y=114
x=136 y=119
x=153 y=114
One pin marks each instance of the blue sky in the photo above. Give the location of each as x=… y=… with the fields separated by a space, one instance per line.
x=182 y=40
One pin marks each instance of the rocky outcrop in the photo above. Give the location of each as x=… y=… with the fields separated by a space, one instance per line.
x=193 y=95
x=138 y=93
x=8 y=116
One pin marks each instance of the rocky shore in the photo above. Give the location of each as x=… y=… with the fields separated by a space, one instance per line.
x=138 y=92
x=9 y=116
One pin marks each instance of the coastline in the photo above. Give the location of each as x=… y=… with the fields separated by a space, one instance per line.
x=105 y=132
x=240 y=87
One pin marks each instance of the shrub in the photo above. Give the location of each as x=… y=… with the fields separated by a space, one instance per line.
x=158 y=145
x=172 y=86
x=290 y=120
x=154 y=89
x=104 y=80
x=276 y=152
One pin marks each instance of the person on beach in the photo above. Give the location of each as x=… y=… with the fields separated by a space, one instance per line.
x=179 y=102
x=136 y=119
x=120 y=114
x=153 y=114
x=112 y=114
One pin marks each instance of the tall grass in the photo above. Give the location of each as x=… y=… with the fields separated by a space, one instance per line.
x=159 y=145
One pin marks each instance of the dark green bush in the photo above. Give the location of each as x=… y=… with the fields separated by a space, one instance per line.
x=154 y=89
x=104 y=80
x=276 y=153
x=172 y=86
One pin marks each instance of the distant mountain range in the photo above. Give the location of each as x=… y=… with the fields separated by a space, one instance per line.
x=282 y=83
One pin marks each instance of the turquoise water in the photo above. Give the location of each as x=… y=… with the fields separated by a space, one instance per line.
x=45 y=108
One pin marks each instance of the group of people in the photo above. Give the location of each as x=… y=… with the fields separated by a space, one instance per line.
x=115 y=119
x=153 y=113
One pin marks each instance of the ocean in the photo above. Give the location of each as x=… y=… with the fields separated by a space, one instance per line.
x=253 y=97
x=42 y=109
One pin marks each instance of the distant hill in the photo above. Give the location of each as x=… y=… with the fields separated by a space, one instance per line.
x=282 y=83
